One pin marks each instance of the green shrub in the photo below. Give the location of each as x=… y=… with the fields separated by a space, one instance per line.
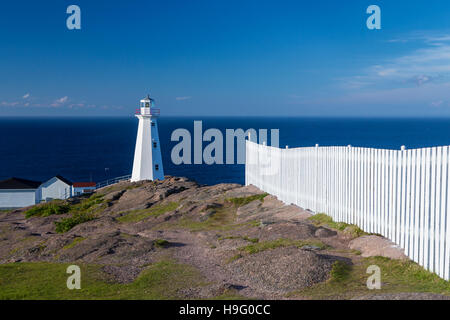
x=47 y=209
x=66 y=224
x=161 y=243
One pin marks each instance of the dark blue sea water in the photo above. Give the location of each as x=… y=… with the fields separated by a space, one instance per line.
x=82 y=148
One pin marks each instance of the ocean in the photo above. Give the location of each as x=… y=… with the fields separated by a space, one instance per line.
x=96 y=149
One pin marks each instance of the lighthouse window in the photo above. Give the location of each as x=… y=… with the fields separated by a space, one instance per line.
x=154 y=144
x=156 y=167
x=153 y=124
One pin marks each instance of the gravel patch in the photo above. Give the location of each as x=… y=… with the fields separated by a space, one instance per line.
x=283 y=270
x=404 y=296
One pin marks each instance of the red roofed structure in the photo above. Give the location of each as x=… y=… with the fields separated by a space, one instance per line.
x=84 y=184
x=83 y=187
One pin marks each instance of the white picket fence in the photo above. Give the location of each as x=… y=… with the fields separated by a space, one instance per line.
x=403 y=195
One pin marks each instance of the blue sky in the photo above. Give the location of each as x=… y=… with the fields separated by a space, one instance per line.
x=236 y=58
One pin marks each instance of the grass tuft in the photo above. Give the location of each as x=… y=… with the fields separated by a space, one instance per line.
x=253 y=240
x=75 y=241
x=242 y=201
x=340 y=271
x=154 y=211
x=321 y=219
x=234 y=258
x=161 y=243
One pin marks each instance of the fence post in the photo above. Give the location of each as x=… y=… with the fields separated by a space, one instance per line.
x=316 y=182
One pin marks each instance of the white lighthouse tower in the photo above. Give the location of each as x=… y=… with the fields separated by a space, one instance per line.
x=147 y=163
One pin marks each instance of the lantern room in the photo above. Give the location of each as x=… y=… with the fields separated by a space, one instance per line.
x=147 y=107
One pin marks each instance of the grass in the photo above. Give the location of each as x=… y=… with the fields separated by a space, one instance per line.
x=396 y=276
x=282 y=242
x=242 y=201
x=43 y=280
x=75 y=241
x=154 y=211
x=340 y=272
x=321 y=219
x=47 y=209
x=65 y=224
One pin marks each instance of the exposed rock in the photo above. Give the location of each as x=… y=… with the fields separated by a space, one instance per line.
x=352 y=231
x=248 y=210
x=208 y=206
x=372 y=245
x=288 y=230
x=205 y=215
x=322 y=232
x=113 y=196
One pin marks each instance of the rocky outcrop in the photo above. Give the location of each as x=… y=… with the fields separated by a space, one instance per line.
x=371 y=246
x=237 y=237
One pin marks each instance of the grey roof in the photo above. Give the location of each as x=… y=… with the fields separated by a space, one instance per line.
x=64 y=180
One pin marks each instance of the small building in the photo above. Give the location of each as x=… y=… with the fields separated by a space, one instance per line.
x=18 y=193
x=80 y=188
x=57 y=187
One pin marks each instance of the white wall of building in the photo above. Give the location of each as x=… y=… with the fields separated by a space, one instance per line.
x=18 y=198
x=55 y=189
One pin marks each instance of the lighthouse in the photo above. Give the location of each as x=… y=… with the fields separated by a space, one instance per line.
x=147 y=163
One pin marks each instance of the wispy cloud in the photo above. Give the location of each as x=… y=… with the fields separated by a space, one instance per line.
x=183 y=98
x=58 y=102
x=437 y=103
x=76 y=105
x=9 y=104
x=429 y=62
x=28 y=101
x=62 y=100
